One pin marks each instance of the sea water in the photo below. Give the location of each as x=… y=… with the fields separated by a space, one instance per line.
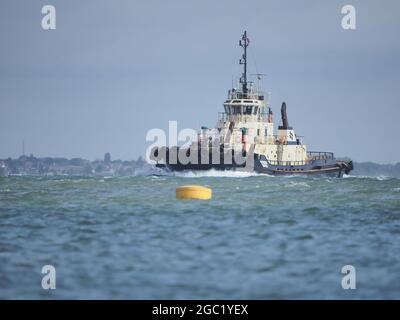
x=260 y=237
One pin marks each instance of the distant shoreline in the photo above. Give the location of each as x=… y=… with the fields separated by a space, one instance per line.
x=31 y=165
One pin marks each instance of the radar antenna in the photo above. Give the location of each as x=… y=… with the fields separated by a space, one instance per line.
x=244 y=43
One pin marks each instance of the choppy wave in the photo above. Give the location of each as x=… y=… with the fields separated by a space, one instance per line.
x=129 y=233
x=218 y=174
x=151 y=170
x=293 y=184
x=379 y=178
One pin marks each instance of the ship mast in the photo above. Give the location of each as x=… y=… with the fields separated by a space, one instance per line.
x=244 y=43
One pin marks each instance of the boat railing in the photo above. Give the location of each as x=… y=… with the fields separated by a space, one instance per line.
x=312 y=155
x=257 y=95
x=288 y=163
x=320 y=155
x=223 y=117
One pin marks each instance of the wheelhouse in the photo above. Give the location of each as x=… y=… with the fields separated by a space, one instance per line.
x=244 y=107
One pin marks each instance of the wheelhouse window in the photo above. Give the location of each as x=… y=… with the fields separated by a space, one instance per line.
x=237 y=110
x=248 y=109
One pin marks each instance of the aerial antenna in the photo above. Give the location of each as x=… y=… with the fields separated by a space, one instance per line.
x=258 y=75
x=259 y=78
x=244 y=43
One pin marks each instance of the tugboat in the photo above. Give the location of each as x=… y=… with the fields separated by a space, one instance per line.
x=244 y=139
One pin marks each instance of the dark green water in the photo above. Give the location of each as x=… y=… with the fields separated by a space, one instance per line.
x=260 y=237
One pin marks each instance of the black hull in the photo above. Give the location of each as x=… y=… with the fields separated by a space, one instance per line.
x=330 y=171
x=331 y=168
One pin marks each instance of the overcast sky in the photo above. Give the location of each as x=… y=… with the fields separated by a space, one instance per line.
x=112 y=70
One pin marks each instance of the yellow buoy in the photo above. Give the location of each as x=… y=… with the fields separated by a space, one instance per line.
x=193 y=192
